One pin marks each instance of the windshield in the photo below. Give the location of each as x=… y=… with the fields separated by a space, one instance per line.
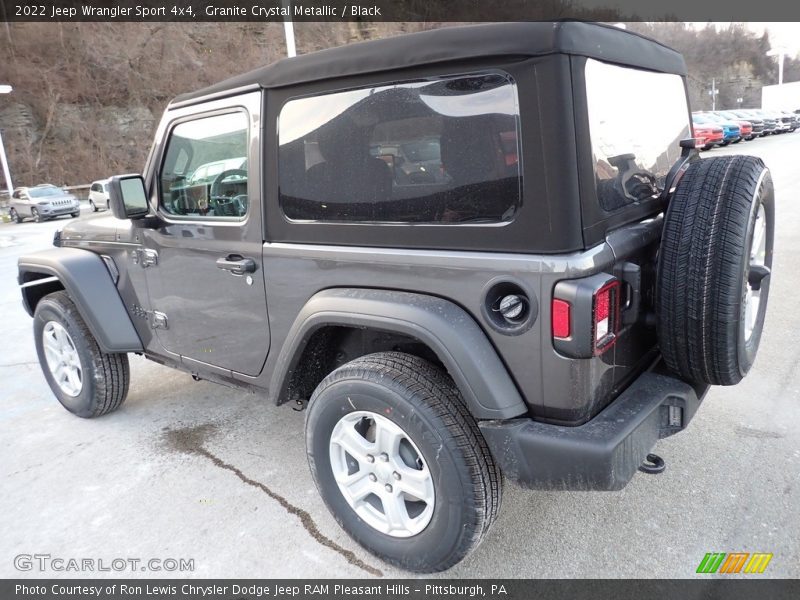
x=422 y=151
x=44 y=191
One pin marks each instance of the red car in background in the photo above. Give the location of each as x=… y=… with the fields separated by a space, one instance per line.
x=708 y=136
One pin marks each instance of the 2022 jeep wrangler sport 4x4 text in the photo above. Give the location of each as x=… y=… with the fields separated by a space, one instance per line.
x=472 y=254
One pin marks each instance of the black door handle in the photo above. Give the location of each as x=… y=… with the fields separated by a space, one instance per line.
x=236 y=264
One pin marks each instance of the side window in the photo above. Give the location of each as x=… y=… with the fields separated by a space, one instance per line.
x=436 y=151
x=635 y=143
x=95 y=187
x=16 y=194
x=188 y=187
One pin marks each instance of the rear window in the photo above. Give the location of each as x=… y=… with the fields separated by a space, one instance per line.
x=434 y=151
x=636 y=121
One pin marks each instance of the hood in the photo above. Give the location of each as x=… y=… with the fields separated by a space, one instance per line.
x=99 y=229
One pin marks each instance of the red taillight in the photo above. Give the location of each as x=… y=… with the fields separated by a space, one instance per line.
x=560 y=316
x=606 y=316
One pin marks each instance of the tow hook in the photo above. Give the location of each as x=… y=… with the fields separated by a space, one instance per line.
x=653 y=465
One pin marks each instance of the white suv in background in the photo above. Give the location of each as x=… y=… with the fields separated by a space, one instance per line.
x=98 y=195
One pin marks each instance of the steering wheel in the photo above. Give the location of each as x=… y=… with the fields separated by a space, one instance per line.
x=214 y=191
x=634 y=183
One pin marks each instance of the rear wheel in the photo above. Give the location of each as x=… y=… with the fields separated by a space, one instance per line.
x=14 y=215
x=714 y=269
x=92 y=205
x=400 y=462
x=86 y=381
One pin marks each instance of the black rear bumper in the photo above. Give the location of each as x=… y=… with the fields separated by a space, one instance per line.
x=602 y=454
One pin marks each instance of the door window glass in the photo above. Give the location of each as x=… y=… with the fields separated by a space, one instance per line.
x=204 y=173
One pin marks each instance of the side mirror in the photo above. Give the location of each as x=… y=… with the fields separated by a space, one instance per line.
x=128 y=197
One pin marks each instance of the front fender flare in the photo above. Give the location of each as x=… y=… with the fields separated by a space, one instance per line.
x=88 y=283
x=444 y=327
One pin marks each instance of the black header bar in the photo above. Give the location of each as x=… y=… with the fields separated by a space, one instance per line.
x=705 y=587
x=396 y=10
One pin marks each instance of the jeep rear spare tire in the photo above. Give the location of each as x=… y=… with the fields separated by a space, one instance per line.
x=714 y=269
x=400 y=462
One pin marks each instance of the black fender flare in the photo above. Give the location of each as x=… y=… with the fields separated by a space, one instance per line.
x=86 y=279
x=447 y=329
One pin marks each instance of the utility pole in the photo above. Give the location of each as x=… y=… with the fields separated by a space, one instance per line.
x=288 y=30
x=780 y=53
x=713 y=93
x=5 y=89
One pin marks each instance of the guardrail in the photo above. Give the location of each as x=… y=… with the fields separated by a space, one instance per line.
x=72 y=189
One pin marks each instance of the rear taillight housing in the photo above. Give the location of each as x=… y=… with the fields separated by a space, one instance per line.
x=585 y=315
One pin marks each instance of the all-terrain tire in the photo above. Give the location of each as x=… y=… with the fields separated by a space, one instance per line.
x=705 y=267
x=105 y=377
x=424 y=402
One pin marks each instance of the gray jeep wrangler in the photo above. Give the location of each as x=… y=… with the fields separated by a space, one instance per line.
x=471 y=254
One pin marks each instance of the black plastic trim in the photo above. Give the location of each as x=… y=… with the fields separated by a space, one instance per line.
x=86 y=279
x=602 y=454
x=445 y=328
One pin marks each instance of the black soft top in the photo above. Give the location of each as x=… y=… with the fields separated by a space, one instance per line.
x=603 y=42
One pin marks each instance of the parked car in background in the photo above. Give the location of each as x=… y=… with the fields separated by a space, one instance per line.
x=708 y=135
x=793 y=119
x=749 y=129
x=98 y=195
x=42 y=202
x=770 y=124
x=731 y=131
x=209 y=172
x=782 y=123
x=756 y=122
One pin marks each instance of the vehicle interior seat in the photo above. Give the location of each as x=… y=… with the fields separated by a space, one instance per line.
x=348 y=174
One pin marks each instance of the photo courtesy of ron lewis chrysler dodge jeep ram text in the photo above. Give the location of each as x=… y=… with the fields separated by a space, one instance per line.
x=474 y=254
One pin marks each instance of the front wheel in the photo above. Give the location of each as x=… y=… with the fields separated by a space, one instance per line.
x=85 y=380
x=75 y=215
x=400 y=462
x=36 y=216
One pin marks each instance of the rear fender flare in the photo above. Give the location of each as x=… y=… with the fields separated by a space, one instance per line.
x=448 y=330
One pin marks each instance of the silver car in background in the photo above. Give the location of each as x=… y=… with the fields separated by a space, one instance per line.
x=42 y=202
x=98 y=195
